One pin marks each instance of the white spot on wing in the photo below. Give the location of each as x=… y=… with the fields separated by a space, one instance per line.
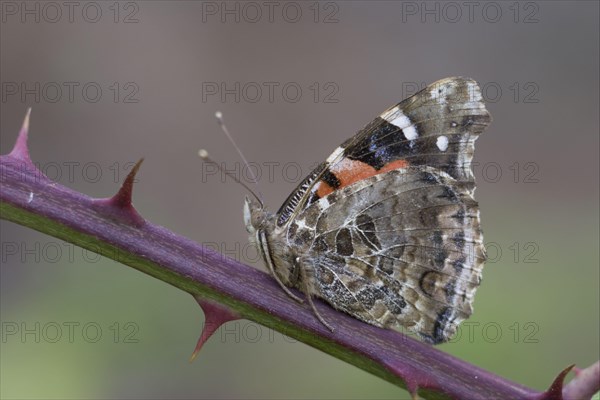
x=410 y=133
x=301 y=224
x=324 y=203
x=442 y=143
x=401 y=121
x=338 y=152
x=344 y=165
x=397 y=118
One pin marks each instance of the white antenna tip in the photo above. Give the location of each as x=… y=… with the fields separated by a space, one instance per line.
x=26 y=120
x=219 y=115
x=203 y=154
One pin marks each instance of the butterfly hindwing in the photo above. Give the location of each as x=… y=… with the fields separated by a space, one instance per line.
x=403 y=248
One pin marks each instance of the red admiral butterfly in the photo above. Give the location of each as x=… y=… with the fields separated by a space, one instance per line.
x=386 y=229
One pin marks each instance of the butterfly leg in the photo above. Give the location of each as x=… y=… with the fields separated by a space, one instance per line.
x=292 y=295
x=319 y=316
x=308 y=289
x=269 y=263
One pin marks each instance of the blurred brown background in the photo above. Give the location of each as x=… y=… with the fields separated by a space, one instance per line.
x=112 y=82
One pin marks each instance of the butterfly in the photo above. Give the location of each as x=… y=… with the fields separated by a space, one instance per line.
x=387 y=229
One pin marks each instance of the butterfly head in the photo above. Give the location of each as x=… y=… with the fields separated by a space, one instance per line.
x=277 y=257
x=255 y=216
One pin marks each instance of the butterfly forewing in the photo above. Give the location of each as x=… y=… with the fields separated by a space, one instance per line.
x=436 y=127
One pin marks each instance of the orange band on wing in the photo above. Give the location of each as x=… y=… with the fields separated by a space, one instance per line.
x=393 y=165
x=349 y=171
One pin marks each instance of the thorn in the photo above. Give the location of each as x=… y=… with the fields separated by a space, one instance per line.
x=411 y=377
x=215 y=315
x=123 y=198
x=585 y=383
x=413 y=389
x=20 y=150
x=120 y=205
x=556 y=388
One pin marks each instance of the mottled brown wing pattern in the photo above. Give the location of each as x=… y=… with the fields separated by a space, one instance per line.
x=400 y=249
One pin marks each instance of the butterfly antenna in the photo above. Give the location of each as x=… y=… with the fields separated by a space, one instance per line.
x=206 y=157
x=219 y=116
